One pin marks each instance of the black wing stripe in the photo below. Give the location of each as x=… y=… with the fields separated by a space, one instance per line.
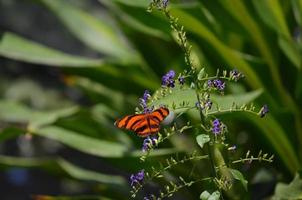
x=141 y=129
x=155 y=118
x=127 y=120
x=135 y=123
x=160 y=112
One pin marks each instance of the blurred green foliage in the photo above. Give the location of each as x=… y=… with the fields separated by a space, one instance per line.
x=263 y=39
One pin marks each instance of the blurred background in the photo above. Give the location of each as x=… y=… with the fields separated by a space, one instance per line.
x=69 y=68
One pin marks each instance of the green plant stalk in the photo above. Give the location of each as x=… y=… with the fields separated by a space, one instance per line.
x=168 y=194
x=223 y=170
x=210 y=150
x=186 y=49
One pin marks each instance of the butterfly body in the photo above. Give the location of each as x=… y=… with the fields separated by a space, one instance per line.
x=143 y=124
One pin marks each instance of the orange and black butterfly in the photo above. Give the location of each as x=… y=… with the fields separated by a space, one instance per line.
x=143 y=124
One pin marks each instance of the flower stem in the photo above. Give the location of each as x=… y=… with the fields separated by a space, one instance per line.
x=210 y=150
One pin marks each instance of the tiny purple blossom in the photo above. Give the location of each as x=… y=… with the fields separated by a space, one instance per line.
x=168 y=79
x=216 y=122
x=146 y=95
x=218 y=84
x=208 y=104
x=236 y=75
x=181 y=80
x=165 y=3
x=210 y=83
x=149 y=141
x=232 y=148
x=144 y=100
x=264 y=110
x=216 y=129
x=136 y=178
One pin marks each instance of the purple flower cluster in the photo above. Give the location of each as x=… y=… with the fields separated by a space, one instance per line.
x=137 y=178
x=165 y=3
x=264 y=110
x=232 y=148
x=216 y=129
x=181 y=80
x=208 y=104
x=144 y=100
x=218 y=84
x=149 y=141
x=168 y=79
x=236 y=75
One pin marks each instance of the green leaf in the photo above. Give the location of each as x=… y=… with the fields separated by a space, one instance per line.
x=188 y=95
x=135 y=3
x=205 y=195
x=60 y=165
x=291 y=51
x=139 y=19
x=156 y=152
x=145 y=3
x=81 y=197
x=202 y=139
x=297 y=7
x=83 y=143
x=201 y=74
x=193 y=25
x=94 y=32
x=83 y=174
x=226 y=102
x=15 y=47
x=9 y=133
x=278 y=140
x=238 y=176
x=215 y=196
x=272 y=14
x=14 y=112
x=289 y=191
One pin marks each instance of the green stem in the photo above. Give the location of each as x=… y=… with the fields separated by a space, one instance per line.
x=158 y=173
x=210 y=150
x=168 y=194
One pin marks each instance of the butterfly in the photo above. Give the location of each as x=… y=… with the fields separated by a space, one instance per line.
x=143 y=124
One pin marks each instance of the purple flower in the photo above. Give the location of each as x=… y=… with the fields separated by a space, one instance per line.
x=210 y=83
x=168 y=79
x=165 y=3
x=236 y=75
x=181 y=80
x=197 y=104
x=208 y=104
x=218 y=84
x=146 y=198
x=264 y=110
x=232 y=148
x=144 y=100
x=136 y=178
x=146 y=95
x=149 y=141
x=204 y=105
x=216 y=127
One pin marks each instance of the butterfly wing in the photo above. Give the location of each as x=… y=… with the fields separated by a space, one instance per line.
x=143 y=124
x=151 y=123
x=129 y=121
